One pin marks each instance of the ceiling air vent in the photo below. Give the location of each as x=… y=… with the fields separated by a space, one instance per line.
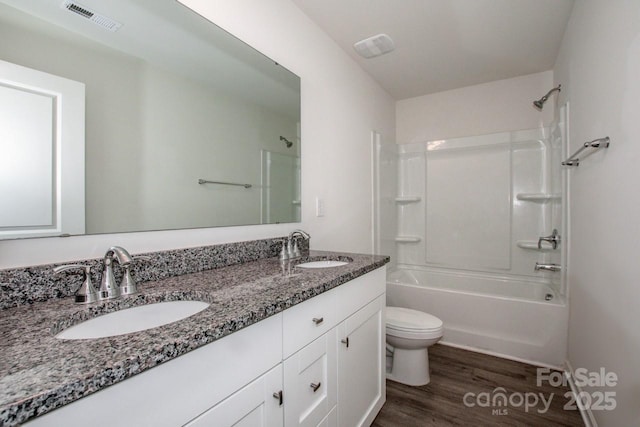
x=96 y=18
x=374 y=46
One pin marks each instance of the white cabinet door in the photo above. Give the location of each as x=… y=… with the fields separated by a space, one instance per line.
x=310 y=382
x=361 y=379
x=256 y=405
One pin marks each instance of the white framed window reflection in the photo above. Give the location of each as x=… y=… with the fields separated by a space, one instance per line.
x=41 y=129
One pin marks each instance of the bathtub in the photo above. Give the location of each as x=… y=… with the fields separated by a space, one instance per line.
x=516 y=319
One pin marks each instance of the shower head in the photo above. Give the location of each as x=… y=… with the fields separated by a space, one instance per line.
x=540 y=102
x=286 y=141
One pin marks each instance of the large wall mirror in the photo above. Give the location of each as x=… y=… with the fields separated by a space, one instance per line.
x=182 y=126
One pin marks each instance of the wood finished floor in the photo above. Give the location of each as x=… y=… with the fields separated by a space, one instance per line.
x=455 y=372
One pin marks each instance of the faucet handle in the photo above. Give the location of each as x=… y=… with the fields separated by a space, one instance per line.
x=296 y=249
x=554 y=239
x=128 y=286
x=284 y=252
x=86 y=293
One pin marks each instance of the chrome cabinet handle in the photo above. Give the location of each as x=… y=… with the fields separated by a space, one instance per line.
x=318 y=320
x=315 y=387
x=278 y=395
x=345 y=341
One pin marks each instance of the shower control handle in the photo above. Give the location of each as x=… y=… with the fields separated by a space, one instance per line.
x=554 y=239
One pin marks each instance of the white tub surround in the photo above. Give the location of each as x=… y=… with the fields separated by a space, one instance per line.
x=470 y=212
x=477 y=203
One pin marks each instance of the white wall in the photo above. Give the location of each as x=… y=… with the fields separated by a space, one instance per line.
x=498 y=106
x=341 y=104
x=599 y=68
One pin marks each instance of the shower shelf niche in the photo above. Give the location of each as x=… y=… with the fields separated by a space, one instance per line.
x=537 y=197
x=533 y=245
x=408 y=199
x=407 y=239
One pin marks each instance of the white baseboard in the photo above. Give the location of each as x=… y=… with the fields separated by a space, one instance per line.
x=501 y=355
x=586 y=414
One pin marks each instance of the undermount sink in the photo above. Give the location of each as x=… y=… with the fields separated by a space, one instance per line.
x=322 y=264
x=133 y=320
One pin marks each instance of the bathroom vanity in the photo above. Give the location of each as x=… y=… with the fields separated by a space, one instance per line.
x=274 y=350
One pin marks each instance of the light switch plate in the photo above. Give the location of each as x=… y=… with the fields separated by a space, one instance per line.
x=319 y=206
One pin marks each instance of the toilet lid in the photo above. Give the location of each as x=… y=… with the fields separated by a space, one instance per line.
x=407 y=319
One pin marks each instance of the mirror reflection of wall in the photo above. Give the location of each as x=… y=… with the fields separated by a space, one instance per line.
x=155 y=125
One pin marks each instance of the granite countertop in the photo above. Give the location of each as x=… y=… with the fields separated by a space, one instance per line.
x=39 y=372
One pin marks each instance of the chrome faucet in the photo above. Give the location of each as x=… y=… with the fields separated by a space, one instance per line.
x=108 y=287
x=547 y=267
x=292 y=250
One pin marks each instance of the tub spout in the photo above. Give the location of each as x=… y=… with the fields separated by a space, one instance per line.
x=547 y=267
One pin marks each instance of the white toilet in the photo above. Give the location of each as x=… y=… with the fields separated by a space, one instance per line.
x=409 y=334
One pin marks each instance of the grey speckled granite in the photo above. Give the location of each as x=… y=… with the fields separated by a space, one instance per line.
x=32 y=284
x=39 y=373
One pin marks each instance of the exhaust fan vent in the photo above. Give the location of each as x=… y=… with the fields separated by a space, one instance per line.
x=96 y=18
x=374 y=46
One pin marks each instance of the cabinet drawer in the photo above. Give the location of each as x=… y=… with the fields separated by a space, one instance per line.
x=332 y=307
x=359 y=292
x=307 y=321
x=310 y=382
x=299 y=327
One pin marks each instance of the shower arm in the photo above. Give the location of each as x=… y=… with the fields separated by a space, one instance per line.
x=286 y=141
x=559 y=88
x=539 y=103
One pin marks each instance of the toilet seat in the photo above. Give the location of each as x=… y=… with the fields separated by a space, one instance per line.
x=407 y=323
